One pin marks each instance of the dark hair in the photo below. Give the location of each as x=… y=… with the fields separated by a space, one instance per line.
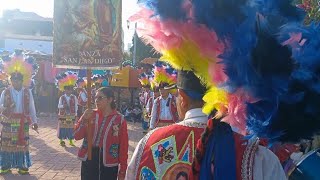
x=68 y=87
x=203 y=140
x=108 y=92
x=183 y=174
x=16 y=76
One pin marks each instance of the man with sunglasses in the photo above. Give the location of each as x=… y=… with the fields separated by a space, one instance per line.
x=17 y=106
x=166 y=152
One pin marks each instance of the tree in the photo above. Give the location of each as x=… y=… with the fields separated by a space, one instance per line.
x=143 y=50
x=127 y=56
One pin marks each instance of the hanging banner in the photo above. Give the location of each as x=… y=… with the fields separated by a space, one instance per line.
x=87 y=34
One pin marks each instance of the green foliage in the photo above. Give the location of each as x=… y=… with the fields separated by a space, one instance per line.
x=143 y=50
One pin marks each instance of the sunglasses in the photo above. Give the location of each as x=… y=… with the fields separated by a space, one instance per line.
x=99 y=98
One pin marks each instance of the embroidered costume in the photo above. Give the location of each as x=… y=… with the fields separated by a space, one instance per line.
x=82 y=96
x=18 y=112
x=260 y=63
x=67 y=113
x=110 y=141
x=144 y=79
x=164 y=110
x=167 y=151
x=68 y=106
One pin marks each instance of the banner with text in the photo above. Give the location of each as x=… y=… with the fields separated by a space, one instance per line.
x=87 y=34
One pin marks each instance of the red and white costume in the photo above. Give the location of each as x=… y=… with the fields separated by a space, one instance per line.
x=19 y=110
x=82 y=98
x=253 y=161
x=164 y=112
x=166 y=151
x=110 y=134
x=68 y=106
x=82 y=101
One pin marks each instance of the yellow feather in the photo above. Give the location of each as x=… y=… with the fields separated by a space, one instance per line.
x=214 y=98
x=188 y=57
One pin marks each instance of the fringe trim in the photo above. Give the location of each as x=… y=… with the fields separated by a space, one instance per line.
x=15 y=159
x=65 y=133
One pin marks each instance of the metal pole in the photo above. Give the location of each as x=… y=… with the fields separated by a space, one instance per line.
x=135 y=44
x=89 y=135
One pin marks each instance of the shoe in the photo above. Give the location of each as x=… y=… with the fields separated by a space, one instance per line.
x=24 y=171
x=62 y=143
x=71 y=143
x=4 y=171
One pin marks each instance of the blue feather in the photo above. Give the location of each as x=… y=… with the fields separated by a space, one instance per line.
x=166 y=9
x=222 y=16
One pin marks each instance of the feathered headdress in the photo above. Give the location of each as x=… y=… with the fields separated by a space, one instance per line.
x=65 y=79
x=98 y=78
x=18 y=63
x=164 y=75
x=153 y=85
x=144 y=80
x=261 y=63
x=82 y=82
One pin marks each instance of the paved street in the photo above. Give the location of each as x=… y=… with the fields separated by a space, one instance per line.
x=51 y=161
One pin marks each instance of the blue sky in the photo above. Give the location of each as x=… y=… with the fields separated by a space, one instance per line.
x=45 y=8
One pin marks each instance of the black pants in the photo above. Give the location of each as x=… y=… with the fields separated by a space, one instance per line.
x=95 y=170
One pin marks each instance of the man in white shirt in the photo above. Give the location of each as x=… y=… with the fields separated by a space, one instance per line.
x=164 y=110
x=17 y=107
x=167 y=152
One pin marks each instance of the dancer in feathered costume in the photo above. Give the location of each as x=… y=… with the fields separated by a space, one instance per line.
x=164 y=109
x=82 y=95
x=145 y=83
x=68 y=106
x=18 y=110
x=146 y=94
x=154 y=94
x=260 y=63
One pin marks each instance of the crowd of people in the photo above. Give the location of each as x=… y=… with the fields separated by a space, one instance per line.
x=237 y=98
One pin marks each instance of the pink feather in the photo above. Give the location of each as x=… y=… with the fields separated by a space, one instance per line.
x=236 y=113
x=216 y=72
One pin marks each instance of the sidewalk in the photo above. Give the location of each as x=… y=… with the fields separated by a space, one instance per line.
x=51 y=161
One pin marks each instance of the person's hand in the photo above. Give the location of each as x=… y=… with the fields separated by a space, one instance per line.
x=121 y=175
x=35 y=127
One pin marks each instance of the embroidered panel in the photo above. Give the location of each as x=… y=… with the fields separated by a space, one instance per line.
x=140 y=150
x=66 y=121
x=247 y=160
x=147 y=174
x=169 y=162
x=114 y=150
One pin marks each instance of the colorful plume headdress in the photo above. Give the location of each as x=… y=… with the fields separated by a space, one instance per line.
x=153 y=85
x=144 y=80
x=164 y=74
x=82 y=82
x=98 y=78
x=18 y=63
x=261 y=63
x=66 y=79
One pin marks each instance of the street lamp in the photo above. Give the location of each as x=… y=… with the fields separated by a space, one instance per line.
x=134 y=42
